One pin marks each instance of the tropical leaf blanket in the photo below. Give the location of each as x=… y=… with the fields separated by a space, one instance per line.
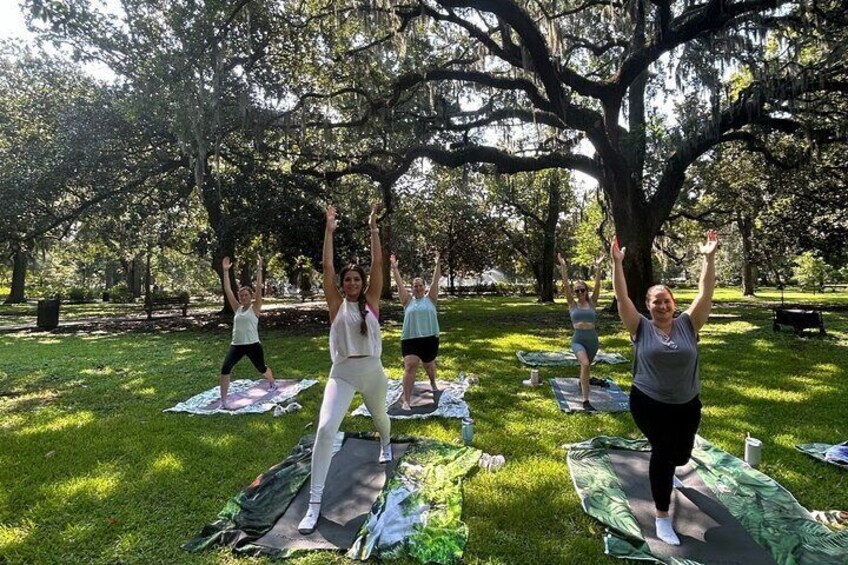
x=768 y=512
x=417 y=515
x=565 y=358
x=819 y=451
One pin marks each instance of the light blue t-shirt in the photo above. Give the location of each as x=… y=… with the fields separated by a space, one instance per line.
x=666 y=367
x=419 y=318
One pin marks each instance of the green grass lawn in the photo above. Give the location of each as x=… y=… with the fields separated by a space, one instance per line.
x=92 y=471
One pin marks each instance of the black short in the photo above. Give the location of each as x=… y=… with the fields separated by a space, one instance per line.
x=426 y=348
x=252 y=350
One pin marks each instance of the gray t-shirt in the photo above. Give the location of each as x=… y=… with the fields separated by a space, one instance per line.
x=666 y=369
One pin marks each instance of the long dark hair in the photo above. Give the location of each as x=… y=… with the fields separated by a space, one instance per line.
x=363 y=327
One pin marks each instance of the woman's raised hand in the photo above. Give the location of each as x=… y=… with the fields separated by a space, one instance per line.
x=600 y=260
x=561 y=260
x=709 y=248
x=436 y=257
x=616 y=251
x=372 y=219
x=331 y=218
x=393 y=261
x=226 y=264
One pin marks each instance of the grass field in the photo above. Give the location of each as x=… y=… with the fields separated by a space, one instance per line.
x=92 y=471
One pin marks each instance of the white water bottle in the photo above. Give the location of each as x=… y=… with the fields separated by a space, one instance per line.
x=753 y=451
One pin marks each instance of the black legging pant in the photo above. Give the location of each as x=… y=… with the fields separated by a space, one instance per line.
x=671 y=430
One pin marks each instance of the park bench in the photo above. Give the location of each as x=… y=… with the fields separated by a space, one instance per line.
x=166 y=303
x=799 y=319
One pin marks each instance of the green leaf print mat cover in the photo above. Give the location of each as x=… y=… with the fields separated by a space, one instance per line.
x=416 y=513
x=727 y=512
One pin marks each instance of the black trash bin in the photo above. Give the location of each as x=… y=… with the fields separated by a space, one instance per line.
x=106 y=296
x=48 y=314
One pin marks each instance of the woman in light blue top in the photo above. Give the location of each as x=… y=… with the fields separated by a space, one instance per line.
x=581 y=309
x=245 y=330
x=420 y=340
x=665 y=395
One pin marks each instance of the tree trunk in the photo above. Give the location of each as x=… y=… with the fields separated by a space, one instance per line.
x=109 y=275
x=386 y=244
x=634 y=235
x=133 y=275
x=746 y=228
x=546 y=265
x=20 y=257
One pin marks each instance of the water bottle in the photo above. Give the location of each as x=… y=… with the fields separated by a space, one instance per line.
x=467 y=430
x=534 y=377
x=753 y=451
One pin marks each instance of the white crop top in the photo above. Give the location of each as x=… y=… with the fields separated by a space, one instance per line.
x=346 y=339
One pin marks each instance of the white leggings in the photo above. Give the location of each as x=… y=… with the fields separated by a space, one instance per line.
x=363 y=374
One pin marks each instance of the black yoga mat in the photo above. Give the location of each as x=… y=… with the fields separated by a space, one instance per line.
x=424 y=401
x=353 y=484
x=708 y=533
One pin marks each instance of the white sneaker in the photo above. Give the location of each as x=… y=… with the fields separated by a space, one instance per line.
x=386 y=454
x=310 y=520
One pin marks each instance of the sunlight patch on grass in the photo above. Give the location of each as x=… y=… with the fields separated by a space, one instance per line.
x=98 y=485
x=11 y=535
x=48 y=341
x=760 y=393
x=62 y=422
x=167 y=463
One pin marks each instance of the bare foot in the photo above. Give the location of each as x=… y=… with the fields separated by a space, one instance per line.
x=405 y=405
x=272 y=384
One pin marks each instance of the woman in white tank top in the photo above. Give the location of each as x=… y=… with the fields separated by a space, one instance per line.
x=247 y=308
x=355 y=349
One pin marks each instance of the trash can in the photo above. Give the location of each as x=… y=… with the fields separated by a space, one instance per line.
x=106 y=296
x=48 y=314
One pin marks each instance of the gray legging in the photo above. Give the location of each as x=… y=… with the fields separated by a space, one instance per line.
x=363 y=374
x=585 y=340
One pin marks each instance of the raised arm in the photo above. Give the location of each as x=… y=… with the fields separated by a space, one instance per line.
x=596 y=292
x=566 y=286
x=257 y=288
x=434 y=284
x=375 y=285
x=331 y=293
x=699 y=310
x=626 y=310
x=226 y=265
x=403 y=293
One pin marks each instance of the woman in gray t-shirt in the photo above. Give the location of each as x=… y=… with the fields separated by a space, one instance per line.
x=665 y=396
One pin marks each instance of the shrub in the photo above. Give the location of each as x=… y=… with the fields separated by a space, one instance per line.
x=121 y=293
x=80 y=294
x=810 y=270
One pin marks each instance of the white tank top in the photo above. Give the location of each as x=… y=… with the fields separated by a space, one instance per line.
x=245 y=326
x=346 y=339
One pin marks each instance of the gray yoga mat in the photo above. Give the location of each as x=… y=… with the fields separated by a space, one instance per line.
x=353 y=484
x=424 y=401
x=708 y=533
x=570 y=398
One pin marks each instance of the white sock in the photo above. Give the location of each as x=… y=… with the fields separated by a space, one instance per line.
x=307 y=525
x=386 y=454
x=665 y=531
x=676 y=483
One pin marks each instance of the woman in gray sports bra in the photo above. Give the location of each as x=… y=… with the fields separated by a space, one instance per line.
x=665 y=396
x=581 y=308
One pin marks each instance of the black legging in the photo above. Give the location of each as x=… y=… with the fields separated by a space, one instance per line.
x=671 y=430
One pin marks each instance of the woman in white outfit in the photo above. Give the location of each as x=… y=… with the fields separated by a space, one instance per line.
x=355 y=349
x=247 y=308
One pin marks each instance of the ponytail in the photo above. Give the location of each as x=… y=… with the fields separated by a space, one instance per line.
x=363 y=326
